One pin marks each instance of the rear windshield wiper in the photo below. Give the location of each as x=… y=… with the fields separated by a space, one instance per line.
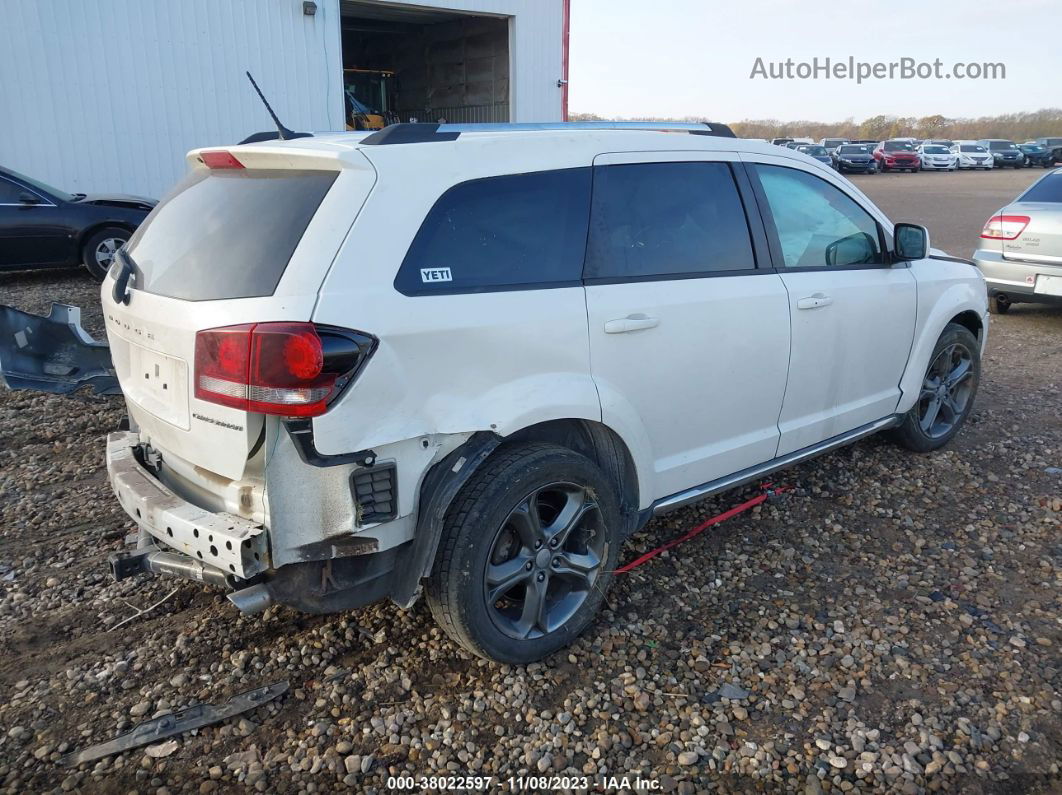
x=120 y=292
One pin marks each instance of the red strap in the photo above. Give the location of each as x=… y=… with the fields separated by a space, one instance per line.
x=722 y=517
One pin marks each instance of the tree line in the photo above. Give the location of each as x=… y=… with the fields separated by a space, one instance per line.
x=1013 y=126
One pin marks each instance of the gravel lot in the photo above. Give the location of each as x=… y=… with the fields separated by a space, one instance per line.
x=891 y=625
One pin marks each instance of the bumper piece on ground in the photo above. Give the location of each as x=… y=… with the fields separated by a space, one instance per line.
x=151 y=731
x=53 y=354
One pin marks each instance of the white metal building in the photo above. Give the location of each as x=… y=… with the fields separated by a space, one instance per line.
x=108 y=95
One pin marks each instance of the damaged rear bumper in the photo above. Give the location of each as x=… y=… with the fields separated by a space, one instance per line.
x=220 y=541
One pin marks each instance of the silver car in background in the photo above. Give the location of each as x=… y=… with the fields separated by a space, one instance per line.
x=1021 y=247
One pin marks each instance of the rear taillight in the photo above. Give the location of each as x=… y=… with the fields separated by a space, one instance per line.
x=219 y=159
x=290 y=369
x=1005 y=227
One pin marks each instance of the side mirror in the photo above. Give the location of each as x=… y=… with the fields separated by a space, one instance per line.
x=28 y=198
x=911 y=241
x=857 y=249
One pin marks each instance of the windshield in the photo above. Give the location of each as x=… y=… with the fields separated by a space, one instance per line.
x=36 y=184
x=898 y=146
x=1001 y=146
x=834 y=142
x=814 y=151
x=853 y=150
x=972 y=148
x=1033 y=149
x=1049 y=189
x=226 y=234
x=935 y=150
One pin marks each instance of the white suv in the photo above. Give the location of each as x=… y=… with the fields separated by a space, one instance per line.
x=473 y=359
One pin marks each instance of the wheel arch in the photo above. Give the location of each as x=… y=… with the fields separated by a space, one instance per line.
x=601 y=444
x=963 y=302
x=95 y=227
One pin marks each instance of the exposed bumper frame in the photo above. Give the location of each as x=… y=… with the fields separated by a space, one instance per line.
x=221 y=541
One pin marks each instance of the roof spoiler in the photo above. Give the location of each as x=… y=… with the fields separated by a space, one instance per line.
x=411 y=133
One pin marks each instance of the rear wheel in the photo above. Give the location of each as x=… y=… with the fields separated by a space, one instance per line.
x=527 y=553
x=947 y=395
x=100 y=248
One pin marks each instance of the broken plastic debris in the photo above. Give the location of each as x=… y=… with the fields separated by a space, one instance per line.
x=53 y=354
x=151 y=731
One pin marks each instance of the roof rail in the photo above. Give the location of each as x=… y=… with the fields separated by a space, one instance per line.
x=408 y=133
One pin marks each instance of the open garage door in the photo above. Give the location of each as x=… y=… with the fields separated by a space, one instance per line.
x=422 y=64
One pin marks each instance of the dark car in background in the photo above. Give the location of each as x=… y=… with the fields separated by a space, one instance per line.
x=817 y=152
x=854 y=158
x=42 y=226
x=1036 y=155
x=897 y=156
x=1004 y=153
x=1053 y=147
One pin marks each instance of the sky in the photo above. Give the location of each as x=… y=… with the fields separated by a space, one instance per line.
x=695 y=57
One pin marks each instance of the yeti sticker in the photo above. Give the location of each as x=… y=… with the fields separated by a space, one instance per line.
x=431 y=275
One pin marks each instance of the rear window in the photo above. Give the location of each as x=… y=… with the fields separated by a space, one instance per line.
x=1048 y=189
x=226 y=233
x=666 y=220
x=518 y=231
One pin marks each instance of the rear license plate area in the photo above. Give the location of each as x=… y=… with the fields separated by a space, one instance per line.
x=158 y=384
x=1048 y=285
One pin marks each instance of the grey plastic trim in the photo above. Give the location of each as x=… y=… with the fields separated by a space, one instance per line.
x=684 y=498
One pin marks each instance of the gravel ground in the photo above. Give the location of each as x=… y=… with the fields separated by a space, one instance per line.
x=891 y=625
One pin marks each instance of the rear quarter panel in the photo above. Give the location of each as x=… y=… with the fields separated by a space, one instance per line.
x=494 y=361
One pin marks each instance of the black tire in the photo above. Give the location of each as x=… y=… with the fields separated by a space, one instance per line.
x=999 y=304
x=947 y=393
x=490 y=527
x=110 y=237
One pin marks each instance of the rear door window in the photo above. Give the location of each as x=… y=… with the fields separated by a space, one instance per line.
x=666 y=220
x=226 y=233
x=517 y=231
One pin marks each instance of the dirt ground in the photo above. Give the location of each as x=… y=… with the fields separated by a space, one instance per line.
x=893 y=624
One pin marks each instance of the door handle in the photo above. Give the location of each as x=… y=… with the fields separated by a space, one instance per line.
x=630 y=323
x=814 y=301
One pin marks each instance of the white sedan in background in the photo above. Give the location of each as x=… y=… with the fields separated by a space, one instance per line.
x=972 y=155
x=936 y=157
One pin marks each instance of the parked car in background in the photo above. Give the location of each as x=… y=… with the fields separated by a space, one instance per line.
x=830 y=144
x=1054 y=148
x=937 y=157
x=855 y=159
x=940 y=142
x=330 y=436
x=894 y=155
x=781 y=141
x=817 y=152
x=1004 y=153
x=1020 y=252
x=1035 y=155
x=972 y=155
x=47 y=227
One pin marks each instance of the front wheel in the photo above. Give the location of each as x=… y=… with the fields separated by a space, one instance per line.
x=100 y=248
x=947 y=395
x=527 y=553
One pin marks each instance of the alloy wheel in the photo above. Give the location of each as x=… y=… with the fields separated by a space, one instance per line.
x=106 y=251
x=544 y=560
x=946 y=391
